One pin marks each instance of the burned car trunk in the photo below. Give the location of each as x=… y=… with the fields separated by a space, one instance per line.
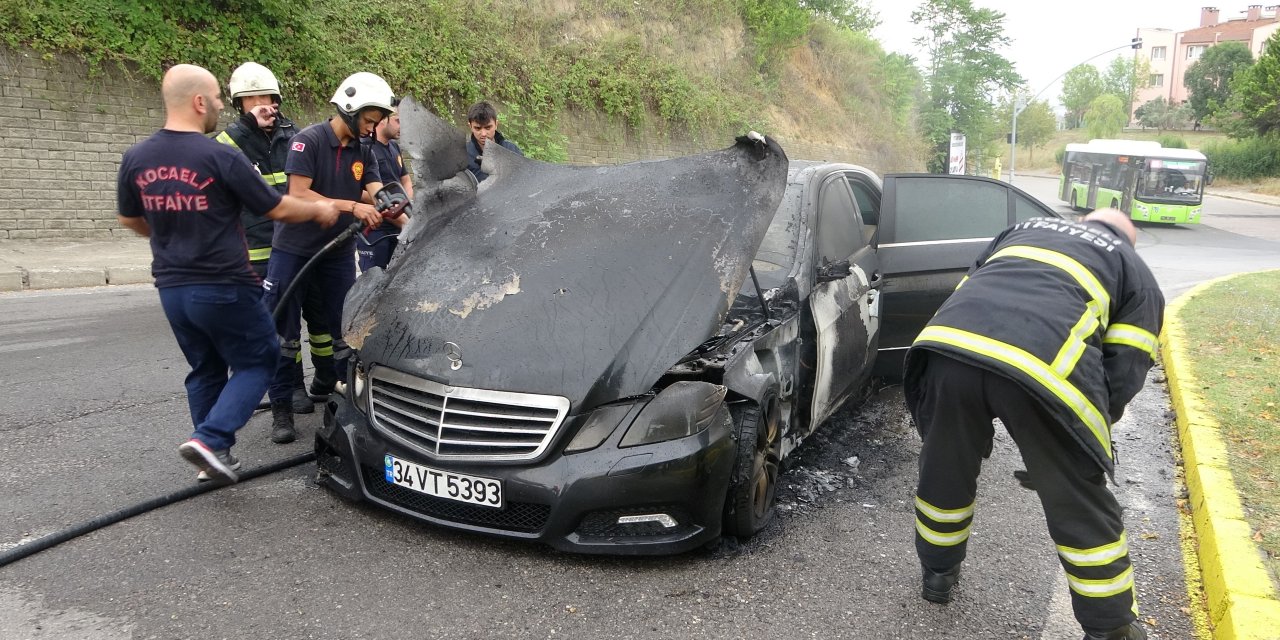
x=550 y=353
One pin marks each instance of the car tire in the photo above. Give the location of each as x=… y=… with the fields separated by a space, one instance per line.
x=753 y=486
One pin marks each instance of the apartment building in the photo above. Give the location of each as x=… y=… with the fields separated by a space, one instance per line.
x=1169 y=53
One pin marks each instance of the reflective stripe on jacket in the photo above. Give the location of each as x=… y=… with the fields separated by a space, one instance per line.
x=1068 y=310
x=268 y=156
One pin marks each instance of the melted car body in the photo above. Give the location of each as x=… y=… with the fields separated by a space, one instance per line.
x=607 y=359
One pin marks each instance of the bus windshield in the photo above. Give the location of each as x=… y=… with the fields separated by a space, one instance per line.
x=1171 y=181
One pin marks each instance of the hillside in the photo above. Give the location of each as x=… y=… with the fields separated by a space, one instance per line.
x=695 y=71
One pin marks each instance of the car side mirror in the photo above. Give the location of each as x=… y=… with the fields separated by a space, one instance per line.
x=833 y=271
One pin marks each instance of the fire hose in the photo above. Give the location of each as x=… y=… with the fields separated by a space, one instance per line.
x=390 y=205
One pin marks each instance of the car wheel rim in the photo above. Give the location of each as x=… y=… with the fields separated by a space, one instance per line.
x=765 y=478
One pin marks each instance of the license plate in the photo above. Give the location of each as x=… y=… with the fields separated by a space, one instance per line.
x=443 y=484
x=1168 y=218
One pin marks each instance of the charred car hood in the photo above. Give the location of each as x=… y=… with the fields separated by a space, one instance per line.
x=582 y=282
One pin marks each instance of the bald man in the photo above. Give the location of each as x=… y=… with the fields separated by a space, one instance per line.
x=185 y=192
x=1052 y=331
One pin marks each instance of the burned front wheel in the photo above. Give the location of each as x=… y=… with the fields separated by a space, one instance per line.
x=753 y=487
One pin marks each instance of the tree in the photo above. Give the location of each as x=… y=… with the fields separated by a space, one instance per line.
x=1254 y=104
x=1208 y=80
x=1106 y=116
x=965 y=73
x=1036 y=124
x=853 y=15
x=1160 y=115
x=1123 y=79
x=1080 y=86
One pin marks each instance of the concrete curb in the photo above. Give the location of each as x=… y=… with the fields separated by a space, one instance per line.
x=1243 y=603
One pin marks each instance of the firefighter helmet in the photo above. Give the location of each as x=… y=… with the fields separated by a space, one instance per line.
x=363 y=90
x=253 y=79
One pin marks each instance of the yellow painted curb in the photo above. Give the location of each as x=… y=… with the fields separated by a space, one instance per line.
x=1243 y=603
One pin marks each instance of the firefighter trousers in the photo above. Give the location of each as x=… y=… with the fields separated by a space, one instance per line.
x=954 y=414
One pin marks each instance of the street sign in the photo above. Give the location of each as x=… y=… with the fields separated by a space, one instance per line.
x=956 y=166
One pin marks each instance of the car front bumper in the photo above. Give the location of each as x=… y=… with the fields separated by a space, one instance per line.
x=572 y=502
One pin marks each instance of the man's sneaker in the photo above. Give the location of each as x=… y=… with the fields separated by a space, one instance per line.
x=302 y=402
x=208 y=460
x=225 y=456
x=282 y=430
x=1131 y=631
x=936 y=586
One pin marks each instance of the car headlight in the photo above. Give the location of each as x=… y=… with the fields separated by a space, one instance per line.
x=599 y=424
x=680 y=410
x=360 y=386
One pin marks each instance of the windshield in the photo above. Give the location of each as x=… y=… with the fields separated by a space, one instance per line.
x=1171 y=180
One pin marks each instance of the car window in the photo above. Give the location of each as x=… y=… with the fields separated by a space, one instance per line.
x=1024 y=208
x=868 y=201
x=973 y=209
x=839 y=223
x=778 y=250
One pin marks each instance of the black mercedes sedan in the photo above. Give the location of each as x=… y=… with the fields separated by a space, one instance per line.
x=618 y=359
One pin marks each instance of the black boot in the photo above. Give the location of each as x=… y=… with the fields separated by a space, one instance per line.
x=936 y=586
x=301 y=401
x=282 y=430
x=1131 y=631
x=324 y=377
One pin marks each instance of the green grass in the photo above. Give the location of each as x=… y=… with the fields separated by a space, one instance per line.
x=1233 y=332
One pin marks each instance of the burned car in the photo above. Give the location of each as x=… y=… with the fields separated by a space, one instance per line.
x=618 y=359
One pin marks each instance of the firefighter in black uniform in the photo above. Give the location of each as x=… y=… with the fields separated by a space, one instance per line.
x=1052 y=331
x=262 y=133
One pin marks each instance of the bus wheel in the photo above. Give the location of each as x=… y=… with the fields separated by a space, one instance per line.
x=1073 y=202
x=1115 y=204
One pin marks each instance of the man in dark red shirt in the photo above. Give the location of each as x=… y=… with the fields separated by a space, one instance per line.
x=186 y=192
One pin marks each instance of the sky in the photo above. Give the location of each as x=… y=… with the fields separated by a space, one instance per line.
x=1048 y=39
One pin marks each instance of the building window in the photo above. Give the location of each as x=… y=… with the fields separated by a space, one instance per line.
x=1157 y=53
x=1195 y=51
x=1157 y=79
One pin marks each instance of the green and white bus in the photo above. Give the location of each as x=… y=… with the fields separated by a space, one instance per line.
x=1141 y=178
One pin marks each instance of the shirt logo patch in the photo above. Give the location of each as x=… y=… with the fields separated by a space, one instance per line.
x=357 y=169
x=298 y=146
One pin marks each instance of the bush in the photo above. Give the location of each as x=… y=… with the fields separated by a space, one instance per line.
x=1172 y=142
x=1247 y=159
x=1059 y=155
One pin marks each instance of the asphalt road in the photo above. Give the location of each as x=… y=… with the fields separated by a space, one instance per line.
x=92 y=408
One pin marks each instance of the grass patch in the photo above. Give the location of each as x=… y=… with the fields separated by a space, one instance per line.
x=1233 y=344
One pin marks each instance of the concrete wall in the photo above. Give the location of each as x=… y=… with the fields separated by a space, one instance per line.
x=64 y=129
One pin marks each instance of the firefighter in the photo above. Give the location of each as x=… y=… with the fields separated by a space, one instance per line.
x=379 y=244
x=325 y=161
x=1052 y=331
x=263 y=133
x=187 y=193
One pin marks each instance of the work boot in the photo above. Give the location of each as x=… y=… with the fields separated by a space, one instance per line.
x=323 y=379
x=1131 y=631
x=936 y=586
x=282 y=430
x=301 y=401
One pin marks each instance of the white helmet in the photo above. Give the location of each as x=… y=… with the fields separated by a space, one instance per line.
x=253 y=79
x=363 y=90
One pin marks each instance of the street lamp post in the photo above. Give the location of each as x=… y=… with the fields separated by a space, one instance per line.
x=1019 y=105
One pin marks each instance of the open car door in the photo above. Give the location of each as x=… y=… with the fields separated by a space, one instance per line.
x=932 y=228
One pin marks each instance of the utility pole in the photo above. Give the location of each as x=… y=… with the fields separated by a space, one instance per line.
x=1019 y=104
